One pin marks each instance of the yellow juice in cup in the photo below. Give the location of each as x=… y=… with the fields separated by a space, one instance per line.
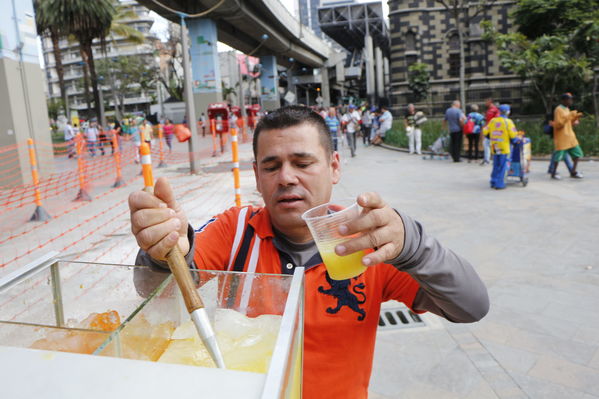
x=343 y=267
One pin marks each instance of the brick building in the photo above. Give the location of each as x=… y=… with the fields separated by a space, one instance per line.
x=422 y=31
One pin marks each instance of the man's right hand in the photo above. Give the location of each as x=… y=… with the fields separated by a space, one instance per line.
x=157 y=221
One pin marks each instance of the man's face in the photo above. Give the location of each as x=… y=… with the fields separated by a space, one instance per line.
x=293 y=174
x=568 y=101
x=411 y=108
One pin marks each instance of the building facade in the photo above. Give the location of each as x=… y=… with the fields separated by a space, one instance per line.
x=115 y=47
x=423 y=31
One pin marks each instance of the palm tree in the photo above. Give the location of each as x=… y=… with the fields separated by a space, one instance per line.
x=85 y=20
x=44 y=27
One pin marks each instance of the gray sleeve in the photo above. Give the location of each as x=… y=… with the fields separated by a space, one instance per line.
x=144 y=259
x=449 y=285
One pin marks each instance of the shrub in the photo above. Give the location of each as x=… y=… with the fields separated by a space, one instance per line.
x=586 y=132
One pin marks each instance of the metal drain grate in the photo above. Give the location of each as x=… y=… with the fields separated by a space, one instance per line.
x=399 y=318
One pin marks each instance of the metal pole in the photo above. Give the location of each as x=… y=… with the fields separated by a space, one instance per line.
x=190 y=107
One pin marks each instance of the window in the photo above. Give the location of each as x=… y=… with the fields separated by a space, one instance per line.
x=411 y=59
x=454 y=65
x=410 y=41
x=454 y=42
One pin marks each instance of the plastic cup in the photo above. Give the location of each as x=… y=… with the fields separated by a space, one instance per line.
x=323 y=222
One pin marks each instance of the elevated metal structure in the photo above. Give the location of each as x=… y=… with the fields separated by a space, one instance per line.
x=348 y=25
x=242 y=23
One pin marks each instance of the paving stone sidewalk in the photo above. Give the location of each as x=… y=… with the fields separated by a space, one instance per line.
x=535 y=248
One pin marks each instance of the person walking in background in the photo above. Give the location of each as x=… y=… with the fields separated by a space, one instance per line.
x=478 y=122
x=366 y=126
x=413 y=130
x=69 y=138
x=491 y=112
x=385 y=121
x=501 y=131
x=548 y=130
x=351 y=126
x=136 y=137
x=202 y=123
x=91 y=135
x=333 y=124
x=168 y=130
x=146 y=132
x=564 y=138
x=453 y=121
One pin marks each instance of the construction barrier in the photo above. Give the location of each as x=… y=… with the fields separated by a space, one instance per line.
x=75 y=169
x=82 y=195
x=39 y=214
x=117 y=159
x=236 y=181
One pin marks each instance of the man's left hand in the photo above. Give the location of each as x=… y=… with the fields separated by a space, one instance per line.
x=381 y=228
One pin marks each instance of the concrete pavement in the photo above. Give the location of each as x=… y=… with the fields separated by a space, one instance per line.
x=535 y=248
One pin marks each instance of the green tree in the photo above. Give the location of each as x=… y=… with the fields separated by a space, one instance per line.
x=86 y=21
x=461 y=12
x=546 y=62
x=419 y=80
x=536 y=18
x=133 y=75
x=576 y=19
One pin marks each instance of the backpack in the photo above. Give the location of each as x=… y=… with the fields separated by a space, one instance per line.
x=468 y=126
x=547 y=128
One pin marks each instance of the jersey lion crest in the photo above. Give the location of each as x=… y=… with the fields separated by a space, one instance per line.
x=346 y=295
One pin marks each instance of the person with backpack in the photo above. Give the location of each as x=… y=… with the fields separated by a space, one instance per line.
x=472 y=128
x=564 y=138
x=501 y=131
x=548 y=130
x=492 y=112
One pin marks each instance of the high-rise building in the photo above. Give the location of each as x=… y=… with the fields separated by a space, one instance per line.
x=115 y=46
x=423 y=31
x=307 y=11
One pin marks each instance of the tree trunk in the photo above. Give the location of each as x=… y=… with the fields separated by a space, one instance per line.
x=458 y=25
x=94 y=79
x=85 y=81
x=60 y=71
x=595 y=102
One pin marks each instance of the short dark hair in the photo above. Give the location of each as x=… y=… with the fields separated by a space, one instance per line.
x=293 y=115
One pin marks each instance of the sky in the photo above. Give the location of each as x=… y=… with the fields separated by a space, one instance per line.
x=160 y=25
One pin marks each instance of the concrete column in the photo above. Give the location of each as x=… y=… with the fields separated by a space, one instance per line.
x=269 y=80
x=291 y=87
x=369 y=58
x=380 y=86
x=386 y=76
x=190 y=106
x=205 y=68
x=23 y=111
x=325 y=90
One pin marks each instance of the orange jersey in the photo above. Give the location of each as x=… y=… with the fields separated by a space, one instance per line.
x=340 y=317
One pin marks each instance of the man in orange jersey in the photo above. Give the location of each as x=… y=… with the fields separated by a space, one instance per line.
x=295 y=169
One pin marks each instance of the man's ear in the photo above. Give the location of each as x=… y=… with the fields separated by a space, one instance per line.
x=335 y=167
x=255 y=166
